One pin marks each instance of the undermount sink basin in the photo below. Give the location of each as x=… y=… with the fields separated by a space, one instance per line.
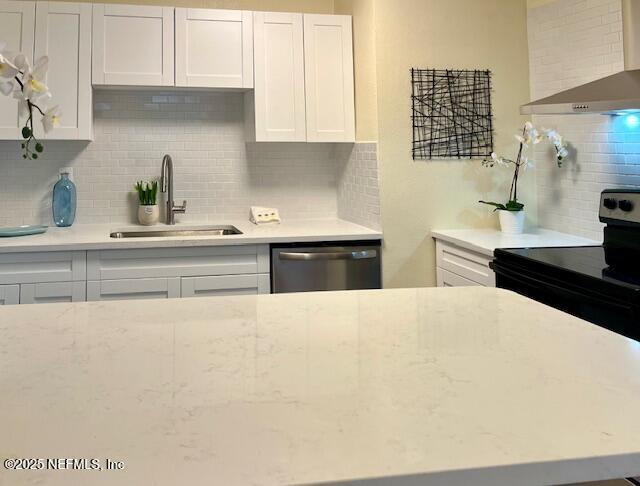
x=208 y=231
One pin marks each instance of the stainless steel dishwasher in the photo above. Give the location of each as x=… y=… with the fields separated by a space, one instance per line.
x=325 y=266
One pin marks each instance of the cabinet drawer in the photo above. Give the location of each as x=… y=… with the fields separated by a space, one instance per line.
x=142 y=288
x=55 y=266
x=45 y=293
x=449 y=279
x=177 y=262
x=9 y=294
x=225 y=285
x=464 y=263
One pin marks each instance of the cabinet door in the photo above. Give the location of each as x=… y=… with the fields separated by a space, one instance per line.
x=9 y=294
x=44 y=293
x=133 y=45
x=449 y=279
x=225 y=285
x=279 y=77
x=141 y=288
x=328 y=59
x=214 y=48
x=63 y=32
x=17 y=25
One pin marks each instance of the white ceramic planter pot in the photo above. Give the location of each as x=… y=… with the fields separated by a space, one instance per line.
x=511 y=222
x=148 y=215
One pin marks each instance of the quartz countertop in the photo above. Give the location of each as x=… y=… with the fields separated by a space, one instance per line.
x=423 y=386
x=485 y=241
x=96 y=236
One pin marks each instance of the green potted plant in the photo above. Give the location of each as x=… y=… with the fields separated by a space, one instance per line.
x=511 y=212
x=148 y=211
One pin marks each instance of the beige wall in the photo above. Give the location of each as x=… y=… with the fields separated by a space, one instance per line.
x=419 y=196
x=364 y=58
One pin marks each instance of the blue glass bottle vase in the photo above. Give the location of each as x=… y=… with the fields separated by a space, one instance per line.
x=64 y=201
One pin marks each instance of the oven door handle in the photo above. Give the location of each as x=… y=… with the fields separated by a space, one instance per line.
x=558 y=290
x=329 y=255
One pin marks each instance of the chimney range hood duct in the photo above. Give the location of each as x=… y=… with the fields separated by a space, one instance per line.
x=614 y=94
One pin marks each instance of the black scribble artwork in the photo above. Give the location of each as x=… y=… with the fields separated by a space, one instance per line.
x=451 y=114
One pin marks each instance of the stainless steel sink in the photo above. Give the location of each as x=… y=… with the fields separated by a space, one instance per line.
x=208 y=231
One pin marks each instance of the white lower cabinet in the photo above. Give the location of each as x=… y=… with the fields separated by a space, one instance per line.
x=157 y=273
x=135 y=288
x=177 y=272
x=226 y=285
x=9 y=294
x=48 y=292
x=460 y=267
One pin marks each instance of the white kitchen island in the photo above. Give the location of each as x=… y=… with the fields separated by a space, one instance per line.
x=409 y=387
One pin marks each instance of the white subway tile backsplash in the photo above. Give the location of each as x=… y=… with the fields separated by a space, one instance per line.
x=219 y=174
x=572 y=42
x=358 y=191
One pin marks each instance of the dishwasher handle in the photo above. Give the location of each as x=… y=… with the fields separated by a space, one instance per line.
x=329 y=255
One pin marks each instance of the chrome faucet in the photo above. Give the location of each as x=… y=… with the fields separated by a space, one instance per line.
x=166 y=185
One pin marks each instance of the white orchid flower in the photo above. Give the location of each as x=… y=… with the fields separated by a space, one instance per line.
x=33 y=80
x=23 y=106
x=51 y=118
x=7 y=68
x=526 y=163
x=6 y=87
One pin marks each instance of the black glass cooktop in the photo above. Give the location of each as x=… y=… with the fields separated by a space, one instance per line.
x=585 y=261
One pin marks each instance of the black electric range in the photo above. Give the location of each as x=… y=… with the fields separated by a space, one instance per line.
x=600 y=284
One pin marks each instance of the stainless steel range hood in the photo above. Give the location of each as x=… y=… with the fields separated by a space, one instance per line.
x=617 y=93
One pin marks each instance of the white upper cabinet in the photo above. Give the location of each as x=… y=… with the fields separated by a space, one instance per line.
x=279 y=77
x=17 y=23
x=214 y=48
x=133 y=45
x=328 y=57
x=63 y=32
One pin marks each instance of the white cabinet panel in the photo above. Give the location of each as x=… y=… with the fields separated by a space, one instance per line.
x=225 y=285
x=458 y=265
x=214 y=48
x=45 y=293
x=448 y=279
x=17 y=25
x=328 y=58
x=279 y=78
x=9 y=294
x=63 y=32
x=143 y=288
x=468 y=264
x=176 y=262
x=55 y=266
x=133 y=45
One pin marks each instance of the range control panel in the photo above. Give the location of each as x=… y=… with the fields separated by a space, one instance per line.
x=620 y=205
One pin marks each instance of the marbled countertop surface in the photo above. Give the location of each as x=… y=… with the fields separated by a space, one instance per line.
x=96 y=236
x=485 y=241
x=427 y=386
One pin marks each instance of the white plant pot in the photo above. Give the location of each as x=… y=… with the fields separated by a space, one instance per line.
x=148 y=215
x=511 y=222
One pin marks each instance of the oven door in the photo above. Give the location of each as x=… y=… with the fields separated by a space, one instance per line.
x=603 y=310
